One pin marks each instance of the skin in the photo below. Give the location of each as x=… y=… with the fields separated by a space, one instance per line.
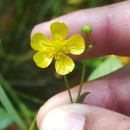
x=108 y=105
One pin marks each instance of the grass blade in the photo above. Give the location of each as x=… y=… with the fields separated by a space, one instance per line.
x=25 y=111
x=10 y=109
x=33 y=125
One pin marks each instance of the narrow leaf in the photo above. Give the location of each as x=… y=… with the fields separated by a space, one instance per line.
x=82 y=97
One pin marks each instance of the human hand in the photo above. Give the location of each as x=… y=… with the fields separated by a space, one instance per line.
x=109 y=106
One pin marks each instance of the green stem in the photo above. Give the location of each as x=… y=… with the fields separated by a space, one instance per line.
x=68 y=88
x=83 y=71
x=82 y=80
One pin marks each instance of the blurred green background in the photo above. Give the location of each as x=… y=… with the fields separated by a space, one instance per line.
x=23 y=86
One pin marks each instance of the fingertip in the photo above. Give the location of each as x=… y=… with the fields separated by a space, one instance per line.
x=34 y=30
x=40 y=116
x=42 y=28
x=63 y=118
x=56 y=101
x=83 y=117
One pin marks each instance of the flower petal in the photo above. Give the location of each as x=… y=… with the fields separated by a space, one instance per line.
x=42 y=59
x=64 y=64
x=75 y=44
x=59 y=30
x=39 y=42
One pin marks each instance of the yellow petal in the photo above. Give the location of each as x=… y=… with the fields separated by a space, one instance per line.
x=59 y=30
x=64 y=64
x=75 y=44
x=42 y=59
x=39 y=42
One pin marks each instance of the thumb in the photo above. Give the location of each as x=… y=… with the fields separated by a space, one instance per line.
x=84 y=117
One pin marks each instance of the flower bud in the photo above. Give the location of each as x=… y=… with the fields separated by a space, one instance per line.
x=90 y=46
x=86 y=29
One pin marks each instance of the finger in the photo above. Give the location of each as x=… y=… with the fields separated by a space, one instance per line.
x=84 y=117
x=111 y=92
x=111 y=27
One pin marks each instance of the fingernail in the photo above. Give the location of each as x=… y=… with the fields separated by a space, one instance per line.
x=62 y=120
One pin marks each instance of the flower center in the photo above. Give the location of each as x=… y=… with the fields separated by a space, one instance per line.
x=58 y=47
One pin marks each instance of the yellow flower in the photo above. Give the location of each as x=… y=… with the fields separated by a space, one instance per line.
x=56 y=48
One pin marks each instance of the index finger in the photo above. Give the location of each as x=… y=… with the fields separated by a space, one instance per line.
x=111 y=28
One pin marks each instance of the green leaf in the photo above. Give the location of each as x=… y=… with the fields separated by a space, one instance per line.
x=109 y=65
x=82 y=97
x=10 y=109
x=5 y=119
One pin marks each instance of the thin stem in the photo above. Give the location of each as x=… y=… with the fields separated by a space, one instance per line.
x=68 y=88
x=82 y=80
x=83 y=71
